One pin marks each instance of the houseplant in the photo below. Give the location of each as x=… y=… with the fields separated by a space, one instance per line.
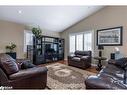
x=37 y=31
x=11 y=47
x=10 y=50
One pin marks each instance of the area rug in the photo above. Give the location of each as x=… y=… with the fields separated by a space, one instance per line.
x=61 y=76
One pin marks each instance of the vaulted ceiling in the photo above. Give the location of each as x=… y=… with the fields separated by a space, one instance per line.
x=52 y=18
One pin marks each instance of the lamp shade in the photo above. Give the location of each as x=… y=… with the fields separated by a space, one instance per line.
x=100 y=47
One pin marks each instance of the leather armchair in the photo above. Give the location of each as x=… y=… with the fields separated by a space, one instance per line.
x=80 y=59
x=31 y=78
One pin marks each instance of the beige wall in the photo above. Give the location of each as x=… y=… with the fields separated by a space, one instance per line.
x=14 y=32
x=50 y=33
x=107 y=17
x=11 y=32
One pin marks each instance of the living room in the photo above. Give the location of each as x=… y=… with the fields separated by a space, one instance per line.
x=45 y=51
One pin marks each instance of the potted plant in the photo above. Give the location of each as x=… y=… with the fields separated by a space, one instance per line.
x=37 y=31
x=10 y=50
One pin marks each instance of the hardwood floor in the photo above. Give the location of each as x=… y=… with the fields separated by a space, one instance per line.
x=92 y=69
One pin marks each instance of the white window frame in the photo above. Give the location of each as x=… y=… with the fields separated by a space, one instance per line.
x=69 y=42
x=25 y=47
x=92 y=47
x=74 y=34
x=76 y=40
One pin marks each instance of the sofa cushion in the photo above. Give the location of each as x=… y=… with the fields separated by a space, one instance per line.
x=122 y=62
x=8 y=64
x=113 y=71
x=83 y=53
x=78 y=56
x=85 y=57
x=76 y=59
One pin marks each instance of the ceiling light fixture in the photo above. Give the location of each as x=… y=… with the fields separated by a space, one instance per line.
x=19 y=11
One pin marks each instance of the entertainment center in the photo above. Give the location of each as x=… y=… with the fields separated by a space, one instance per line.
x=46 y=49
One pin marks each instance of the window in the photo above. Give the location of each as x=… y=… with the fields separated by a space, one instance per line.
x=72 y=43
x=81 y=41
x=28 y=39
x=88 y=41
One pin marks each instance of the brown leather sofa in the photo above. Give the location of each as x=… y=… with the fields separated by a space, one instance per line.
x=80 y=59
x=113 y=76
x=11 y=75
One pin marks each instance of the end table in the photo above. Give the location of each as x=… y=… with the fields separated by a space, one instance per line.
x=99 y=62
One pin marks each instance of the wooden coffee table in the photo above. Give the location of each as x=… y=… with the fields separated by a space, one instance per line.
x=99 y=65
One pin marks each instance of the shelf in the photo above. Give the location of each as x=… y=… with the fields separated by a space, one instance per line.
x=51 y=42
x=45 y=45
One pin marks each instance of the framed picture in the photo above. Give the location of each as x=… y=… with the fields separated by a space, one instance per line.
x=110 y=36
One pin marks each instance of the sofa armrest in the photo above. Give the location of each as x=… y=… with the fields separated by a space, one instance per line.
x=86 y=58
x=111 y=61
x=95 y=82
x=22 y=74
x=71 y=56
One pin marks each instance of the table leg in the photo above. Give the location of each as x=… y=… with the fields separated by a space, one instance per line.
x=99 y=65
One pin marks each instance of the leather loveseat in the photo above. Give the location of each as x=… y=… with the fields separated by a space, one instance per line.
x=113 y=76
x=80 y=59
x=11 y=75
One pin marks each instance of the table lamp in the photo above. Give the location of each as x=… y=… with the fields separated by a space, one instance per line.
x=100 y=48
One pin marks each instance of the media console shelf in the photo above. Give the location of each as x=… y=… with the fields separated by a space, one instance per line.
x=47 y=49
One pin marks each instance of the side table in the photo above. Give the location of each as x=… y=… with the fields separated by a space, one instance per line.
x=99 y=62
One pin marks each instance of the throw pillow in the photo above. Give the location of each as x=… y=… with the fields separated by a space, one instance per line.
x=10 y=67
x=27 y=64
x=8 y=64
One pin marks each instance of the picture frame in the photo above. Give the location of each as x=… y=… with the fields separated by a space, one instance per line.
x=110 y=36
